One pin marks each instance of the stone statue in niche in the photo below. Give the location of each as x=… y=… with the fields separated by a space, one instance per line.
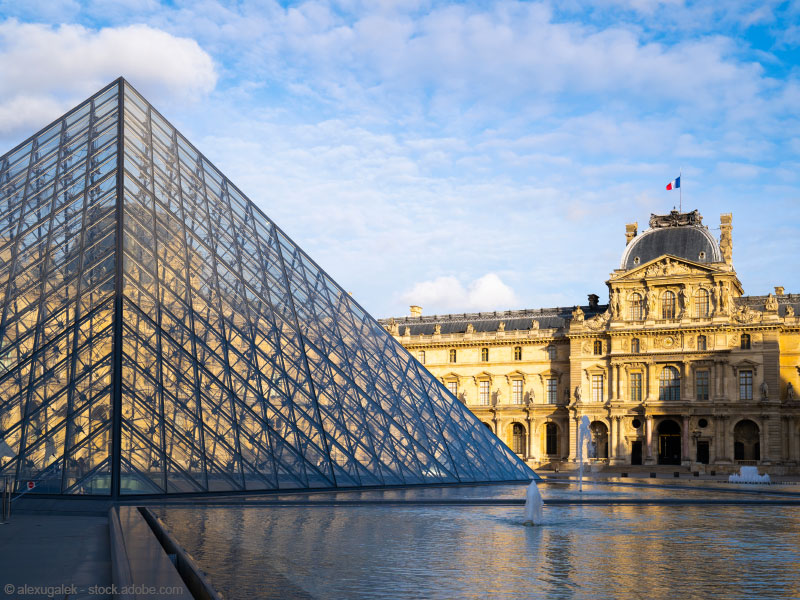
x=577 y=393
x=764 y=388
x=790 y=392
x=652 y=302
x=771 y=304
x=714 y=300
x=683 y=300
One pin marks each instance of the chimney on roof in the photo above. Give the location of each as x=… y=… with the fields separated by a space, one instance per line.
x=416 y=311
x=779 y=290
x=725 y=238
x=593 y=300
x=630 y=232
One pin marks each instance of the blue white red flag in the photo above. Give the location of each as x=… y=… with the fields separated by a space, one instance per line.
x=674 y=184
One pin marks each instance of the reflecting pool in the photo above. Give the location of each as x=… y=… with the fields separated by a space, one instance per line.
x=435 y=551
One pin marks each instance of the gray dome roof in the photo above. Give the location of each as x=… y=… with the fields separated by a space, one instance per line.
x=691 y=242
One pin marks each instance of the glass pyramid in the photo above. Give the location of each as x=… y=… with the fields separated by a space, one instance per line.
x=160 y=335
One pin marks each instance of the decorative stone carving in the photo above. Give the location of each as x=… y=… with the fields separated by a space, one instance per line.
x=437 y=329
x=675 y=219
x=577 y=393
x=789 y=310
x=790 y=392
x=577 y=315
x=501 y=326
x=764 y=388
x=683 y=301
x=470 y=328
x=651 y=301
x=714 y=300
x=393 y=327
x=407 y=330
x=615 y=304
x=771 y=304
x=587 y=348
x=745 y=314
x=534 y=324
x=690 y=341
x=598 y=321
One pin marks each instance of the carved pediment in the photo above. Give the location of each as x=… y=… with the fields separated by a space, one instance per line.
x=666 y=266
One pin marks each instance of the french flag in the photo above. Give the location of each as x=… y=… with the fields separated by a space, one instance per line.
x=674 y=184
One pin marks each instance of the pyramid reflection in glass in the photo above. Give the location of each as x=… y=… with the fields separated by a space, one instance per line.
x=160 y=335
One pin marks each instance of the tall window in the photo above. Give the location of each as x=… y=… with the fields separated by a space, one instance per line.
x=701 y=385
x=637 y=311
x=597 y=388
x=745 y=385
x=421 y=356
x=669 y=385
x=636 y=387
x=483 y=393
x=517 y=353
x=701 y=303
x=452 y=356
x=484 y=354
x=668 y=305
x=745 y=343
x=551 y=352
x=635 y=345
x=551 y=438
x=701 y=342
x=598 y=347
x=552 y=390
x=516 y=391
x=452 y=386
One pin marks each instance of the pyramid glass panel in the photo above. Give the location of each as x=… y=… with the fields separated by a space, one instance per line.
x=160 y=335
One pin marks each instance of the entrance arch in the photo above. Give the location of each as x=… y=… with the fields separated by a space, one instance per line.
x=669 y=443
x=600 y=439
x=746 y=441
x=518 y=438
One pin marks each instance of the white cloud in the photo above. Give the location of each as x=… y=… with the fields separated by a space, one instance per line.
x=447 y=293
x=45 y=70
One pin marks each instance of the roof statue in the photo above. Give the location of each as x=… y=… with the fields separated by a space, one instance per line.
x=161 y=335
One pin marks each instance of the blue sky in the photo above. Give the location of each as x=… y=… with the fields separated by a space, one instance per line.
x=462 y=156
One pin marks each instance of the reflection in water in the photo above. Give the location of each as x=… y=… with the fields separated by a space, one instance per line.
x=478 y=552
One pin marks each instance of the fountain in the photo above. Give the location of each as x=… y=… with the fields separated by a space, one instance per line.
x=533 y=505
x=748 y=475
x=584 y=435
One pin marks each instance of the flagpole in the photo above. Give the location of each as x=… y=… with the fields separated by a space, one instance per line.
x=680 y=192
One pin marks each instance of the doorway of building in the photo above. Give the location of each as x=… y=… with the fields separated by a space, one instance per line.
x=600 y=439
x=746 y=441
x=702 y=452
x=636 y=452
x=669 y=443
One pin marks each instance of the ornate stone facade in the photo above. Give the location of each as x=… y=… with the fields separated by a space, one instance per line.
x=678 y=368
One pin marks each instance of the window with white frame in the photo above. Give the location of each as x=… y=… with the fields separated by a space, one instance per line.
x=597 y=388
x=552 y=390
x=452 y=387
x=516 y=391
x=483 y=392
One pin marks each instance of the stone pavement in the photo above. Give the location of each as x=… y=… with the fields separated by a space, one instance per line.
x=56 y=556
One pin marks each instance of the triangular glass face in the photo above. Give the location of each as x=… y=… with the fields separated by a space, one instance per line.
x=160 y=335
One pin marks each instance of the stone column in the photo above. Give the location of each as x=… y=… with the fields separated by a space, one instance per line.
x=612 y=437
x=572 y=435
x=765 y=457
x=648 y=421
x=685 y=440
x=532 y=454
x=617 y=445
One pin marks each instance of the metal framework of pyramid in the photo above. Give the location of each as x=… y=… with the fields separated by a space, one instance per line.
x=161 y=335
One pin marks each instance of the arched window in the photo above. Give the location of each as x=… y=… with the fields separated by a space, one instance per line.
x=637 y=311
x=551 y=439
x=669 y=385
x=701 y=307
x=452 y=356
x=745 y=343
x=484 y=354
x=517 y=353
x=668 y=305
x=635 y=346
x=518 y=439
x=598 y=347
x=701 y=342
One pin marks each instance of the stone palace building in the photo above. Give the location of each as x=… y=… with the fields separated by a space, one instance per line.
x=679 y=368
